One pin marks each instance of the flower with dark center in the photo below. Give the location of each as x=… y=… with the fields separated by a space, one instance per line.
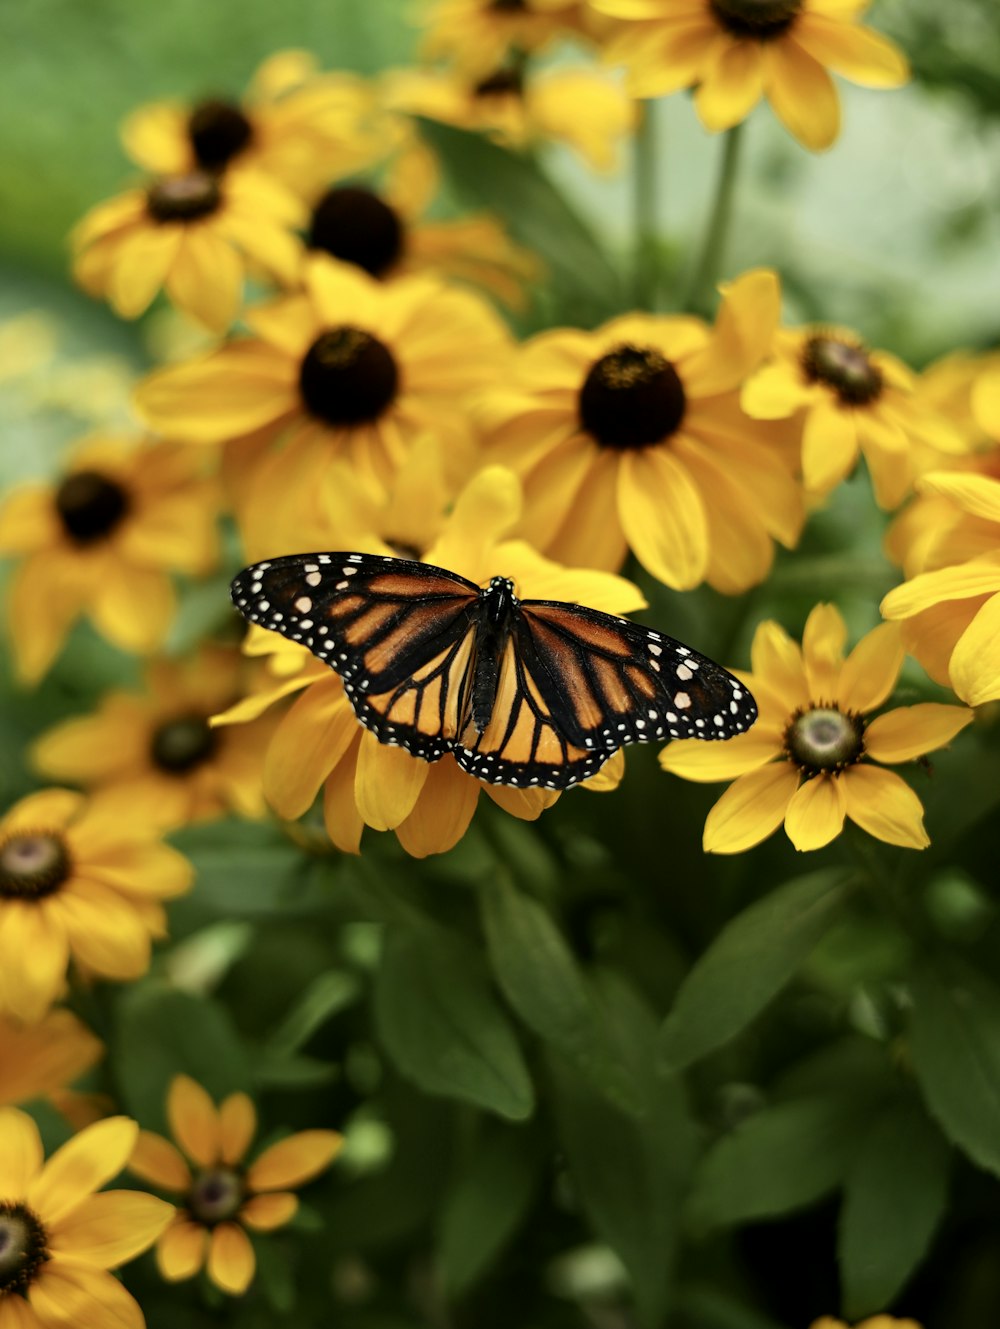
x=824 y=738
x=844 y=367
x=90 y=505
x=179 y=745
x=761 y=20
x=355 y=225
x=219 y=131
x=32 y=865
x=501 y=83
x=182 y=198
x=632 y=398
x=348 y=377
x=22 y=1247
x=216 y=1195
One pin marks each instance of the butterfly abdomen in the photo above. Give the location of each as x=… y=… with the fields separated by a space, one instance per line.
x=498 y=606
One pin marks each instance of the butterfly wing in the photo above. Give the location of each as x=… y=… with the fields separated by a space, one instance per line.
x=400 y=634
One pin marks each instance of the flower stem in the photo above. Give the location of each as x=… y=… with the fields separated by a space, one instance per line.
x=647 y=149
x=713 y=250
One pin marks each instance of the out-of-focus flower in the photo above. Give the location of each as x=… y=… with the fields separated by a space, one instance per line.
x=478 y=34
x=320 y=743
x=873 y=1322
x=809 y=761
x=35 y=376
x=220 y=1194
x=633 y=436
x=101 y=541
x=58 y=1239
x=43 y=1058
x=737 y=51
x=79 y=881
x=154 y=754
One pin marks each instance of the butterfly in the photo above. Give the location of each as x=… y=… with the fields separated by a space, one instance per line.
x=521 y=692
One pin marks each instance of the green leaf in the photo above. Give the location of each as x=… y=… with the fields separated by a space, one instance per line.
x=749 y=962
x=443 y=1027
x=955 y=1045
x=325 y=996
x=894 y=1198
x=249 y=870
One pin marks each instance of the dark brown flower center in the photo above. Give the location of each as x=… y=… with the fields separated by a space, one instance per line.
x=216 y=1195
x=632 y=398
x=33 y=864
x=507 y=82
x=845 y=368
x=219 y=131
x=356 y=226
x=183 y=197
x=760 y=19
x=180 y=745
x=508 y=6
x=22 y=1247
x=825 y=739
x=348 y=377
x=90 y=505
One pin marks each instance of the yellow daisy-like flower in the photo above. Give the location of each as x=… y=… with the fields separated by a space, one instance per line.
x=810 y=759
x=100 y=542
x=737 y=51
x=632 y=437
x=41 y=1059
x=320 y=743
x=849 y=400
x=478 y=34
x=295 y=124
x=154 y=754
x=58 y=1239
x=79 y=881
x=221 y=1194
x=951 y=613
x=351 y=369
x=195 y=235
x=873 y=1322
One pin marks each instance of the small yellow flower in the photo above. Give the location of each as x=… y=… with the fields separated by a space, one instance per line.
x=809 y=760
x=80 y=880
x=478 y=34
x=873 y=1322
x=737 y=51
x=154 y=754
x=101 y=541
x=43 y=1058
x=221 y=1194
x=58 y=1239
x=633 y=437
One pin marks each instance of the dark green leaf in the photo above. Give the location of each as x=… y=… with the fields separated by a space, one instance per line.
x=323 y=998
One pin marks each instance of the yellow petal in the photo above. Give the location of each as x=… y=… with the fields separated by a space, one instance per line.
x=744 y=329
x=526 y=804
x=815 y=814
x=750 y=809
x=986 y=400
x=231 y=1261
x=731 y=86
x=43 y=1058
x=312 y=738
x=110 y=1228
x=777 y=660
x=387 y=783
x=975 y=661
x=157 y=1160
x=21 y=1154
x=802 y=94
x=884 y=806
x=76 y=1296
x=981 y=576
x=81 y=1166
x=823 y=641
x=295 y=1160
x=774 y=392
x=134 y=607
x=48 y=810
x=106 y=931
x=663 y=516
x=34 y=953
x=237 y=1126
x=28 y=520
x=180 y=1252
x=206 y=279
x=829 y=446
x=910 y=731
x=976 y=494
x=344 y=824
x=194 y=1121
x=854 y=52
x=265 y=1212
x=16 y=1313
x=484 y=512
x=869 y=673
x=443 y=811
x=42 y=615
x=694 y=760
x=141 y=261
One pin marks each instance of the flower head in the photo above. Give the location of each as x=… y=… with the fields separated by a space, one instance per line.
x=43 y=1058
x=58 y=1239
x=478 y=34
x=221 y=1194
x=873 y=1322
x=737 y=51
x=815 y=756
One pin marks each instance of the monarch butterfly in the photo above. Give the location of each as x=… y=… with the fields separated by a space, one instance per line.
x=522 y=692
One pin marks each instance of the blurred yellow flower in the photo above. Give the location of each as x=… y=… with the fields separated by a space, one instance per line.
x=632 y=437
x=479 y=34
x=154 y=754
x=101 y=541
x=80 y=881
x=220 y=1194
x=873 y=1322
x=58 y=1239
x=737 y=51
x=43 y=1058
x=808 y=762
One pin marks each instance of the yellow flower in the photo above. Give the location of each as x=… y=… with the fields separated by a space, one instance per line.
x=100 y=541
x=632 y=436
x=737 y=51
x=79 y=880
x=154 y=754
x=295 y=124
x=809 y=760
x=58 y=1239
x=195 y=235
x=848 y=400
x=951 y=613
x=350 y=368
x=41 y=1059
x=319 y=742
x=221 y=1194
x=478 y=34
x=873 y=1322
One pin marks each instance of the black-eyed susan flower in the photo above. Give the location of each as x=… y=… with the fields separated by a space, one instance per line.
x=950 y=613
x=219 y=1194
x=736 y=51
x=101 y=540
x=319 y=742
x=478 y=34
x=154 y=753
x=58 y=1238
x=41 y=1059
x=873 y=1322
x=815 y=757
x=849 y=400
x=632 y=436
x=194 y=235
x=79 y=881
x=352 y=368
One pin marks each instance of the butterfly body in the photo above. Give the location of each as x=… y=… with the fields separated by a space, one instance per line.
x=521 y=692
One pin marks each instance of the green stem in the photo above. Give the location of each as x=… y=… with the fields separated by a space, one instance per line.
x=713 y=250
x=647 y=148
